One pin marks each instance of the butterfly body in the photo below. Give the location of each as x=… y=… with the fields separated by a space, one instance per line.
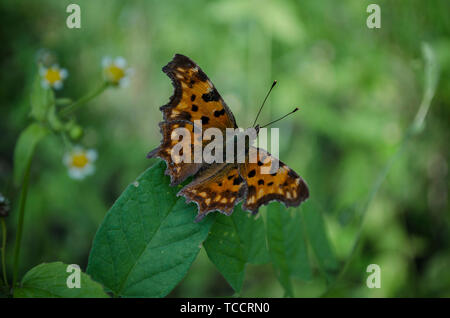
x=218 y=186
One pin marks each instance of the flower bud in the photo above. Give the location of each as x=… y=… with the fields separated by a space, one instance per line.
x=76 y=132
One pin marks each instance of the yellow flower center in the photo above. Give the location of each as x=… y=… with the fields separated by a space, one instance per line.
x=114 y=73
x=52 y=75
x=79 y=160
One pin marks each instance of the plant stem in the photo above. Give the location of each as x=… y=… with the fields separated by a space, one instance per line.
x=74 y=106
x=23 y=200
x=5 y=279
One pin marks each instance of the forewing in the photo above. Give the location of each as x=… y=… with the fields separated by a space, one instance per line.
x=195 y=97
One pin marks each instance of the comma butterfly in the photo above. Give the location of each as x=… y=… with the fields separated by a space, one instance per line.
x=218 y=186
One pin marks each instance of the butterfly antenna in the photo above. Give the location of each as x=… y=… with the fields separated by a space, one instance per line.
x=268 y=93
x=296 y=108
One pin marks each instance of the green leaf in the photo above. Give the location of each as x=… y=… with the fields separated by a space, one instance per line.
x=318 y=238
x=287 y=245
x=25 y=147
x=41 y=99
x=148 y=239
x=235 y=241
x=50 y=280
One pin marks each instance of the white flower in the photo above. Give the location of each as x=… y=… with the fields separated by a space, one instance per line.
x=80 y=162
x=116 y=71
x=53 y=76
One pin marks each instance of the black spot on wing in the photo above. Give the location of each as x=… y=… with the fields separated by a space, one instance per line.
x=213 y=95
x=219 y=113
x=238 y=180
x=205 y=120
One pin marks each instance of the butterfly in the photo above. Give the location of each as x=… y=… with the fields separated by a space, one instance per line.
x=217 y=186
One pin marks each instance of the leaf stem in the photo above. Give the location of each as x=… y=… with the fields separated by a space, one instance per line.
x=83 y=100
x=3 y=251
x=23 y=200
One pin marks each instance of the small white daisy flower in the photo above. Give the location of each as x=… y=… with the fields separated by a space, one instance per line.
x=53 y=76
x=80 y=162
x=116 y=71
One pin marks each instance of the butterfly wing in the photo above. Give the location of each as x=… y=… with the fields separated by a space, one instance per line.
x=177 y=168
x=283 y=185
x=218 y=187
x=194 y=98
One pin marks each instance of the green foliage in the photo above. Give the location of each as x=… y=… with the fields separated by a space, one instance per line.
x=318 y=239
x=286 y=240
x=358 y=90
x=148 y=239
x=50 y=280
x=25 y=147
x=235 y=241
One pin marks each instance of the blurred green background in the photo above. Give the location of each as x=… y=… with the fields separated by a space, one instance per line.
x=358 y=88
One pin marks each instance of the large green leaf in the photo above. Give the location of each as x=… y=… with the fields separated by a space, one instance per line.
x=318 y=238
x=41 y=99
x=50 y=280
x=287 y=245
x=235 y=241
x=148 y=239
x=25 y=146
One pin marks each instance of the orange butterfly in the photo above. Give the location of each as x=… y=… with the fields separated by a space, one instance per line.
x=218 y=186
